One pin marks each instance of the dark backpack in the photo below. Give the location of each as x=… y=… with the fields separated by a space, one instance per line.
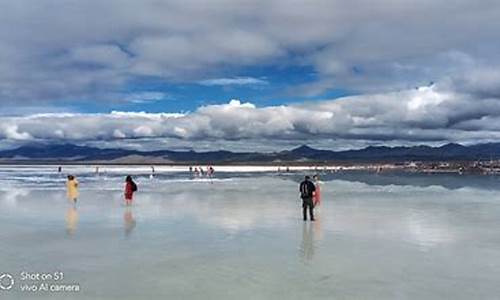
x=304 y=190
x=134 y=187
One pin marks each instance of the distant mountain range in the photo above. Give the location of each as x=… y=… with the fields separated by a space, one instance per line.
x=302 y=154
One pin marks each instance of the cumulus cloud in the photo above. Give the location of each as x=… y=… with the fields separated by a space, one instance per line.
x=429 y=114
x=89 y=50
x=93 y=50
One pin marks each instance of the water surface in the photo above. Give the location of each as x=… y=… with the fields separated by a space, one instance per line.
x=240 y=235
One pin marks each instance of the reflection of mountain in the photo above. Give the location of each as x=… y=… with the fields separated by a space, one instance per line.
x=449 y=181
x=69 y=152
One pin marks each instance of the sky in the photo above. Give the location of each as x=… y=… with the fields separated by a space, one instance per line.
x=239 y=75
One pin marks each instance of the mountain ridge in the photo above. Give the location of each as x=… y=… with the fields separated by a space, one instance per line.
x=76 y=153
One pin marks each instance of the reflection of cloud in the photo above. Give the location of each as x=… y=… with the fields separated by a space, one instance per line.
x=394 y=213
x=427 y=231
x=231 y=208
x=12 y=195
x=235 y=221
x=237 y=213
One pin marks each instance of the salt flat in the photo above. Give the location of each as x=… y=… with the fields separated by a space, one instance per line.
x=240 y=235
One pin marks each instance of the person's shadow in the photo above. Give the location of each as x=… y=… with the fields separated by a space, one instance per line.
x=71 y=218
x=129 y=221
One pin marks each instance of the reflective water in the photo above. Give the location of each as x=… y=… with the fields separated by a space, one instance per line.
x=240 y=236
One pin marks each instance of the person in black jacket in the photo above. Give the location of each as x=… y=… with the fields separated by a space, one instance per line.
x=306 y=189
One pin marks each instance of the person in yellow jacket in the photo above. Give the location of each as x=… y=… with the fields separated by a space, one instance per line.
x=72 y=188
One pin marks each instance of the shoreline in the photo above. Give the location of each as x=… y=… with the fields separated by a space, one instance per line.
x=428 y=168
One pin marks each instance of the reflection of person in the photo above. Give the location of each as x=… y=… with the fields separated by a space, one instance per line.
x=72 y=188
x=130 y=188
x=307 y=189
x=311 y=235
x=318 y=233
x=71 y=220
x=317 y=192
x=129 y=221
x=307 y=246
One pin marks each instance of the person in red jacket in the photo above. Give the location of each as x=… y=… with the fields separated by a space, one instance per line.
x=317 y=192
x=130 y=188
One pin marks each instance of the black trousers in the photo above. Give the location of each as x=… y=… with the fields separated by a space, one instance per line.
x=308 y=203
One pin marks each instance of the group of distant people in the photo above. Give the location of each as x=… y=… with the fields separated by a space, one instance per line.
x=72 y=184
x=310 y=193
x=198 y=171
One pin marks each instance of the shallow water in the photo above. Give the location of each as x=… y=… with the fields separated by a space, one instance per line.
x=240 y=236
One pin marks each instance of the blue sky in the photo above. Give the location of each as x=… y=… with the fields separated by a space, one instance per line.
x=237 y=74
x=263 y=86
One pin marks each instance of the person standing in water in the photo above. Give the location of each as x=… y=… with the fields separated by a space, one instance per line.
x=210 y=171
x=317 y=191
x=306 y=189
x=130 y=189
x=72 y=188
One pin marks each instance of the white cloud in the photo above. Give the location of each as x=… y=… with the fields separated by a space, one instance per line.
x=233 y=81
x=430 y=114
x=144 y=97
x=12 y=132
x=92 y=49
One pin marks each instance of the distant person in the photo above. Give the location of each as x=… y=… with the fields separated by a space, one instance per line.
x=72 y=189
x=317 y=192
x=152 y=175
x=196 y=172
x=190 y=169
x=306 y=189
x=210 y=173
x=59 y=170
x=202 y=173
x=130 y=189
x=97 y=170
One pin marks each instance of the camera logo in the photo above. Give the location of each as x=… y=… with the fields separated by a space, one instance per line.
x=6 y=282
